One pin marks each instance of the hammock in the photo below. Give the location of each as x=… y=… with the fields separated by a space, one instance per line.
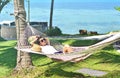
x=64 y=57
x=79 y=53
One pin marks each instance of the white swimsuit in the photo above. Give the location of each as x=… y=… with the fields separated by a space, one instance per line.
x=48 y=49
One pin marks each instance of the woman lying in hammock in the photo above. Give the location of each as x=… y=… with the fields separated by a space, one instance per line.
x=41 y=44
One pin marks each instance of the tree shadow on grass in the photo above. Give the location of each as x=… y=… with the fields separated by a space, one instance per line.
x=4 y=47
x=59 y=71
x=37 y=56
x=112 y=74
x=108 y=58
x=110 y=47
x=63 y=73
x=8 y=57
x=84 y=42
x=40 y=60
x=56 y=68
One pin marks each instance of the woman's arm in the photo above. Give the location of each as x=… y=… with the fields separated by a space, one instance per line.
x=33 y=39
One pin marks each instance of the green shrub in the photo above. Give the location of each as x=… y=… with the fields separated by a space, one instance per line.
x=1 y=39
x=54 y=32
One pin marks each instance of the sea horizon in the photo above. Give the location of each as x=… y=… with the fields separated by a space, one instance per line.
x=72 y=17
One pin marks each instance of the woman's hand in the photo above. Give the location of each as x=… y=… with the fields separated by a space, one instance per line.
x=35 y=39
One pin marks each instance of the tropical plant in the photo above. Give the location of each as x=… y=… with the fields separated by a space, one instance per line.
x=55 y=31
x=3 y=3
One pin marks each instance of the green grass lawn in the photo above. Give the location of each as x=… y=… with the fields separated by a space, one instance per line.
x=106 y=59
x=7 y=57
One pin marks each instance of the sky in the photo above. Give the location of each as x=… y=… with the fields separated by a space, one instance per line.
x=76 y=0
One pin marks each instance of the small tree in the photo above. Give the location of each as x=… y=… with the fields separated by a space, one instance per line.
x=3 y=3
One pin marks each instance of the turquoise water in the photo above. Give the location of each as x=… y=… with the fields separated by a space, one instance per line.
x=71 y=17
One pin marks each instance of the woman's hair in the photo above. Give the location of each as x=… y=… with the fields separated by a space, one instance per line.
x=37 y=41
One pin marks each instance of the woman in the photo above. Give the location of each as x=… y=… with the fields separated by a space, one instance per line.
x=46 y=48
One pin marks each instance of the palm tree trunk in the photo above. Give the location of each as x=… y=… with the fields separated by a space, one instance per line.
x=51 y=14
x=23 y=59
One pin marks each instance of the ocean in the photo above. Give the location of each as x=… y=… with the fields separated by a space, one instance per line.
x=71 y=17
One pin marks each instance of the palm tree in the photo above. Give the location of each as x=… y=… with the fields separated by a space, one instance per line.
x=23 y=59
x=51 y=14
x=3 y=3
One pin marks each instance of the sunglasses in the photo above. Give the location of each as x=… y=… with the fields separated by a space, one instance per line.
x=42 y=40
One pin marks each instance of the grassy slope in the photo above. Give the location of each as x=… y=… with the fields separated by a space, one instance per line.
x=107 y=60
